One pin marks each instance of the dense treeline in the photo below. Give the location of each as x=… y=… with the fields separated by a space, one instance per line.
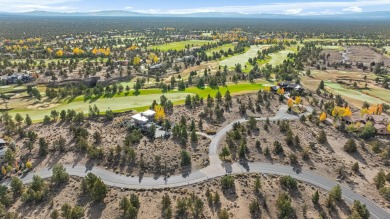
x=26 y=26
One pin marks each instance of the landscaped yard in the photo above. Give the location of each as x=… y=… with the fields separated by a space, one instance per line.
x=181 y=45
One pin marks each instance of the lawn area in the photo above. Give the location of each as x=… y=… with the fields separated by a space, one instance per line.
x=354 y=96
x=224 y=48
x=242 y=58
x=11 y=88
x=181 y=45
x=122 y=102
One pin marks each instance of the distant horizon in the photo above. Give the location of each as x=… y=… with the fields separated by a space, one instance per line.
x=176 y=7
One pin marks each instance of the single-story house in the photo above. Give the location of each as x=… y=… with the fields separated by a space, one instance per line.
x=144 y=117
x=352 y=119
x=381 y=129
x=376 y=119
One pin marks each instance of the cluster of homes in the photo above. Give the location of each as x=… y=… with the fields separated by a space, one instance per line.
x=379 y=122
x=16 y=77
x=287 y=86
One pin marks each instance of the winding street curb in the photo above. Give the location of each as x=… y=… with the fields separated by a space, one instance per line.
x=216 y=168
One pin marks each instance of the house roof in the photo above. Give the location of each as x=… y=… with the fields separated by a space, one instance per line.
x=149 y=113
x=379 y=126
x=139 y=117
x=2 y=141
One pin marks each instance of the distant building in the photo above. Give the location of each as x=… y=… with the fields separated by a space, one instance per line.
x=14 y=78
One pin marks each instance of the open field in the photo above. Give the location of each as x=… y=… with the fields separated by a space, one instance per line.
x=242 y=58
x=224 y=48
x=181 y=45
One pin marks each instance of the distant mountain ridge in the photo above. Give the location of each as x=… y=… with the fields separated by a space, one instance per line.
x=379 y=15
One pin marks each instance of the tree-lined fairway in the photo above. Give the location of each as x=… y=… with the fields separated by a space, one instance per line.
x=117 y=104
x=278 y=57
x=242 y=58
x=124 y=102
x=224 y=48
x=355 y=96
x=181 y=45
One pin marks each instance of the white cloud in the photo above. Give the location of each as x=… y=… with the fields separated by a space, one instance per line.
x=31 y=5
x=287 y=7
x=353 y=9
x=128 y=7
x=293 y=11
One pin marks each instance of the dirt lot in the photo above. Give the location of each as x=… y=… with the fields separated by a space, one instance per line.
x=325 y=159
x=229 y=116
x=235 y=203
x=112 y=136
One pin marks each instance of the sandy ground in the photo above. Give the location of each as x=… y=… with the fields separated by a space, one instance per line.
x=325 y=159
x=236 y=203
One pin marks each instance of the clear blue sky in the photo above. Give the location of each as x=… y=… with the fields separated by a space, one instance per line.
x=298 y=7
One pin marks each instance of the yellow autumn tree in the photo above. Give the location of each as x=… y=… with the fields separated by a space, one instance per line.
x=298 y=100
x=94 y=51
x=77 y=51
x=347 y=112
x=380 y=109
x=160 y=113
x=29 y=164
x=267 y=88
x=290 y=102
x=323 y=117
x=3 y=171
x=49 y=50
x=388 y=127
x=59 y=53
x=107 y=52
x=280 y=91
x=136 y=60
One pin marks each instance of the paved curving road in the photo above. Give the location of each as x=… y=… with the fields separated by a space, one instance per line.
x=215 y=169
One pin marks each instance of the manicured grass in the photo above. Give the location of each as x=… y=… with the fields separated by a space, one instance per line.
x=338 y=48
x=181 y=45
x=242 y=58
x=352 y=94
x=117 y=104
x=11 y=88
x=122 y=102
x=224 y=48
x=279 y=57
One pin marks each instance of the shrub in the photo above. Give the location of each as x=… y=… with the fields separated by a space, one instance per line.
x=59 y=174
x=227 y=182
x=16 y=185
x=284 y=207
x=288 y=182
x=350 y=146
x=322 y=137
